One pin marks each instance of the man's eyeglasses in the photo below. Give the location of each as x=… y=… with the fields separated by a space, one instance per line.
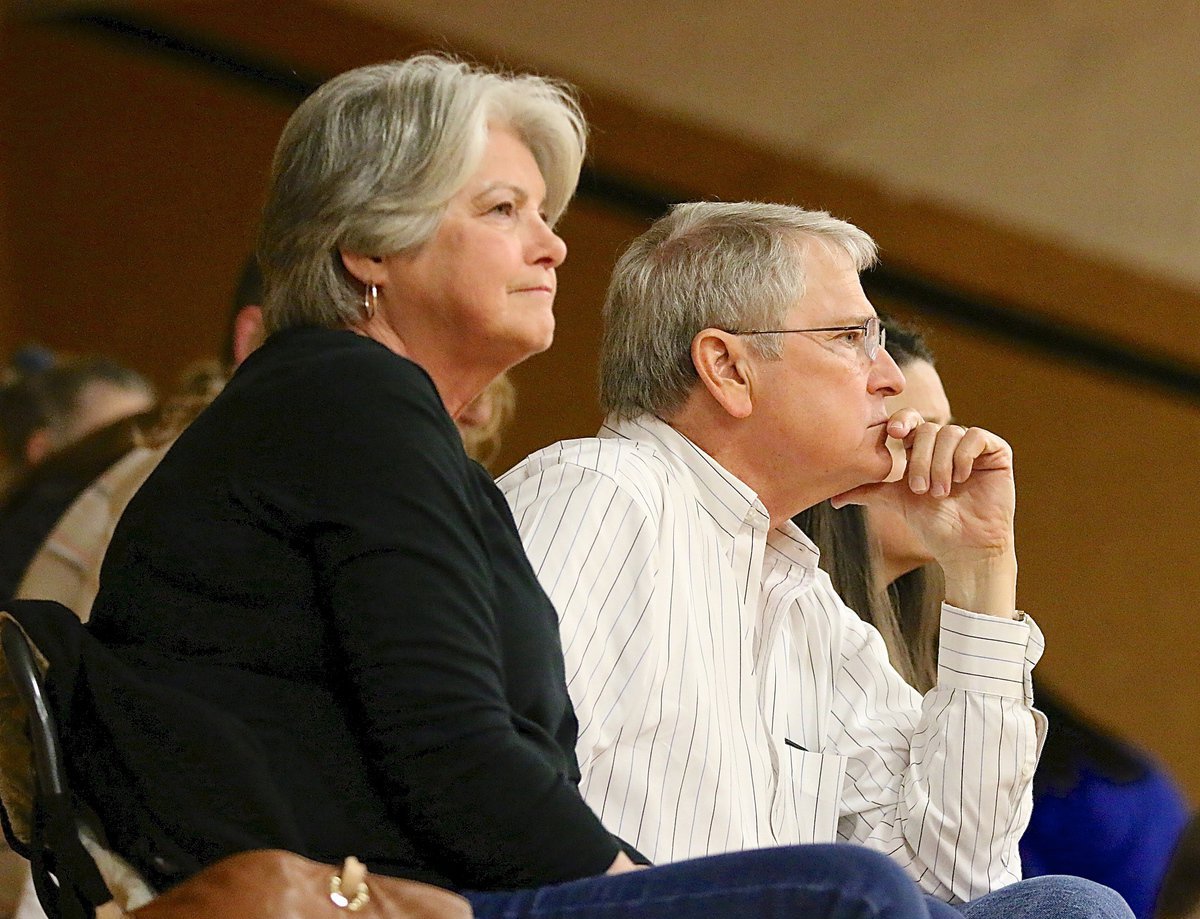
x=874 y=335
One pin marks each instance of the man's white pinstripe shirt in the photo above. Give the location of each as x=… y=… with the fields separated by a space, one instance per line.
x=727 y=698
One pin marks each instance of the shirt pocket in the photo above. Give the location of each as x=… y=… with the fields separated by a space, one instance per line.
x=817 y=793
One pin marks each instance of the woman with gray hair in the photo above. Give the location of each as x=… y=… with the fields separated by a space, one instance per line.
x=336 y=641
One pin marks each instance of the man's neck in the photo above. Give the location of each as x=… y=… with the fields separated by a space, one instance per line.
x=729 y=442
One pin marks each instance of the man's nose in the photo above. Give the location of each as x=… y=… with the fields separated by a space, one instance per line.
x=886 y=376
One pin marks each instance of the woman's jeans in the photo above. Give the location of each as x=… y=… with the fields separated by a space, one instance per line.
x=795 y=882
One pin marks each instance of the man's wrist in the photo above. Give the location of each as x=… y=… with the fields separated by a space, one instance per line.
x=985 y=585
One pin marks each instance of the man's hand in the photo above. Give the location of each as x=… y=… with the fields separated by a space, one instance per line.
x=956 y=491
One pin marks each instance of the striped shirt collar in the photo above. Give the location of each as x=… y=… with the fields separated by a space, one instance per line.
x=730 y=502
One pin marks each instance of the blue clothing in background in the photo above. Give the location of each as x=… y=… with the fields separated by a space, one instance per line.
x=1119 y=833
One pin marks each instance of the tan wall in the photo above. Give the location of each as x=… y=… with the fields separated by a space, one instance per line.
x=1073 y=120
x=136 y=182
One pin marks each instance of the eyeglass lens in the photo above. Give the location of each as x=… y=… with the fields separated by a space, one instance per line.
x=875 y=337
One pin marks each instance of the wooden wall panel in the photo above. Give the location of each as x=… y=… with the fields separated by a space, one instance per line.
x=134 y=193
x=8 y=287
x=965 y=251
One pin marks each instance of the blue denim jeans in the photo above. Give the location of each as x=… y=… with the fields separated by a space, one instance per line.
x=1049 y=897
x=795 y=882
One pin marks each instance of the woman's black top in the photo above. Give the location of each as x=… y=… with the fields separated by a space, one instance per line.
x=339 y=645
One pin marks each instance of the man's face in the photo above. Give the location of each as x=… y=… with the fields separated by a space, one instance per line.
x=819 y=410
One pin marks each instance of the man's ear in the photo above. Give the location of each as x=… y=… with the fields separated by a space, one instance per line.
x=248 y=332
x=723 y=366
x=39 y=446
x=366 y=269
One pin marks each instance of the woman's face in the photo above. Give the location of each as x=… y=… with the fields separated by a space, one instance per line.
x=480 y=292
x=900 y=549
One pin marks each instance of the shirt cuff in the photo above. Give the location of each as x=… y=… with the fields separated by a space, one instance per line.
x=988 y=654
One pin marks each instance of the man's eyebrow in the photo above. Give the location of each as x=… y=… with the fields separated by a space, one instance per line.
x=856 y=322
x=861 y=318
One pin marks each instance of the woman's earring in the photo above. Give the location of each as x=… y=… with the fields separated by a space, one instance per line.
x=370 y=301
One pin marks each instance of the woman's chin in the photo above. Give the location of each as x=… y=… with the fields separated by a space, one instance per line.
x=511 y=342
x=519 y=350
x=540 y=338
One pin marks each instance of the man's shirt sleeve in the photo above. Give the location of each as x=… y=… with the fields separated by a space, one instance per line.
x=945 y=790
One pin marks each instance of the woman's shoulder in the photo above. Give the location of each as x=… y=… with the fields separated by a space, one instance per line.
x=314 y=372
x=338 y=356
x=311 y=390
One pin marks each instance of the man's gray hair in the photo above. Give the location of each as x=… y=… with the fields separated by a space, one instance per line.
x=733 y=266
x=370 y=160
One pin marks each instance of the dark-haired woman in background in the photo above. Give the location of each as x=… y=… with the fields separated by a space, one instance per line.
x=1103 y=810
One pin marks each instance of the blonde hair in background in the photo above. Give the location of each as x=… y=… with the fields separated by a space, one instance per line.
x=200 y=383
x=485 y=418
x=370 y=160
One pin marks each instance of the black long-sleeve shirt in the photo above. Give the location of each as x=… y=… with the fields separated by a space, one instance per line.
x=317 y=557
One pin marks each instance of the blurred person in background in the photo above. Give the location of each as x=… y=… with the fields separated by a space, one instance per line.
x=24 y=363
x=47 y=403
x=66 y=567
x=1180 y=894
x=114 y=462
x=62 y=422
x=61 y=426
x=1103 y=809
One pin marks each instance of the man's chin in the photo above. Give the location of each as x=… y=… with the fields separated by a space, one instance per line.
x=893 y=462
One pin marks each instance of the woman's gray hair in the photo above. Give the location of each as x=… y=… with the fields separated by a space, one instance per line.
x=370 y=160
x=733 y=266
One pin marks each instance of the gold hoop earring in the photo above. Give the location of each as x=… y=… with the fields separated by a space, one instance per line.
x=370 y=301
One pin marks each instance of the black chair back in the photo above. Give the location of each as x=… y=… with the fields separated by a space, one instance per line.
x=66 y=878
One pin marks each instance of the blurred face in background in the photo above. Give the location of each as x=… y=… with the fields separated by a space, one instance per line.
x=101 y=403
x=98 y=404
x=900 y=549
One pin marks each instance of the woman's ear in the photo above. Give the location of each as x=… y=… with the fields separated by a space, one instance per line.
x=366 y=269
x=724 y=369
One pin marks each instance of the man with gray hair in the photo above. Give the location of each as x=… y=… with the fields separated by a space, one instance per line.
x=727 y=698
